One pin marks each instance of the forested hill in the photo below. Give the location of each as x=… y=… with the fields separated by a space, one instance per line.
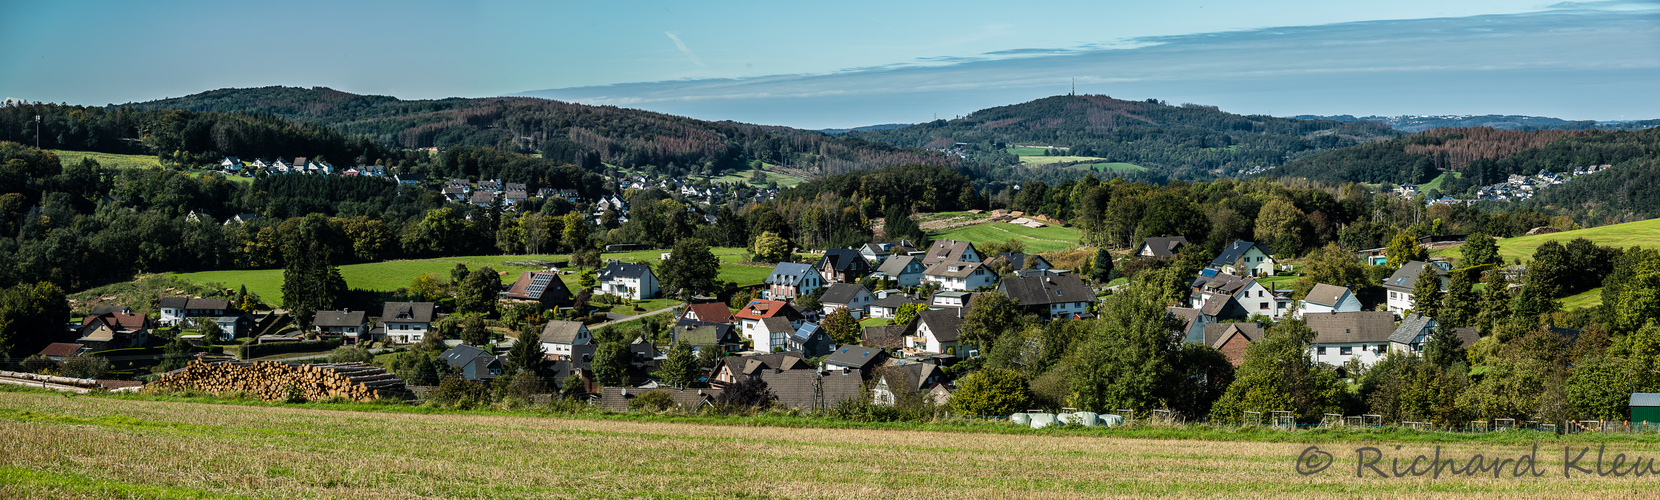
x=1184 y=142
x=562 y=131
x=1482 y=155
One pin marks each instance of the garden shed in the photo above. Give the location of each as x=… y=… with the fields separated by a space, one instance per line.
x=1645 y=407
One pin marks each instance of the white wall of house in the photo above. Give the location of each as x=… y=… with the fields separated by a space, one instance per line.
x=1067 y=309
x=1399 y=302
x=1253 y=263
x=979 y=278
x=637 y=288
x=406 y=332
x=1338 y=354
x=1258 y=299
x=171 y=316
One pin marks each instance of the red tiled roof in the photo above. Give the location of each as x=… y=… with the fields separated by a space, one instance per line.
x=761 y=309
x=122 y=321
x=710 y=312
x=60 y=349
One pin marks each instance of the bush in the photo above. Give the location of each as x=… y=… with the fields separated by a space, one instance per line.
x=351 y=355
x=85 y=366
x=459 y=393
x=745 y=396
x=39 y=364
x=651 y=401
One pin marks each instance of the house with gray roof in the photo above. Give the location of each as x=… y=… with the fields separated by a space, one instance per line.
x=789 y=280
x=960 y=276
x=810 y=340
x=702 y=334
x=855 y=358
x=887 y=307
x=1341 y=336
x=1325 y=298
x=1400 y=284
x=951 y=251
x=1232 y=339
x=1246 y=259
x=904 y=270
x=880 y=252
x=840 y=265
x=351 y=325
x=559 y=337
x=1164 y=247
x=634 y=281
x=938 y=332
x=852 y=296
x=1054 y=297
x=473 y=363
x=405 y=322
x=1020 y=261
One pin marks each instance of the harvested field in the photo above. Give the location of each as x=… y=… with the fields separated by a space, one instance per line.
x=106 y=447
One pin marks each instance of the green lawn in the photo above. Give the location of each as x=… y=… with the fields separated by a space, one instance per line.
x=392 y=275
x=1588 y=298
x=1046 y=160
x=107 y=160
x=1022 y=151
x=1437 y=181
x=1642 y=233
x=1108 y=167
x=232 y=178
x=875 y=322
x=1043 y=239
x=783 y=180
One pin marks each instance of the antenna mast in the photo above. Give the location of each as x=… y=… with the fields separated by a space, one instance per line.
x=1074 y=87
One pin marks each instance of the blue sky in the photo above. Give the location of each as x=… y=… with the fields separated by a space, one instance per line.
x=838 y=64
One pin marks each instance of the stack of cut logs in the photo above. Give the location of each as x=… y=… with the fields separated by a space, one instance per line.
x=276 y=380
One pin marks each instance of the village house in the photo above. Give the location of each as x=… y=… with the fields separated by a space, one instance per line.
x=1253 y=297
x=59 y=351
x=178 y=310
x=350 y=325
x=405 y=322
x=790 y=280
x=951 y=251
x=752 y=315
x=1341 y=336
x=634 y=281
x=852 y=296
x=559 y=337
x=1054 y=297
x=541 y=287
x=1325 y=298
x=704 y=335
x=901 y=375
x=887 y=307
x=810 y=340
x=1019 y=261
x=840 y=265
x=708 y=312
x=1245 y=258
x=1232 y=339
x=879 y=253
x=473 y=363
x=114 y=330
x=904 y=270
x=938 y=332
x=1163 y=247
x=959 y=276
x=756 y=366
x=855 y=358
x=773 y=334
x=952 y=300
x=1400 y=284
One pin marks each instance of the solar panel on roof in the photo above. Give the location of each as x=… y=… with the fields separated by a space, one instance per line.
x=538 y=284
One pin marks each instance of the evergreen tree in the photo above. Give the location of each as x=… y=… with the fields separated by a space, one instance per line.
x=1444 y=347
x=1495 y=301
x=1426 y=293
x=527 y=353
x=1101 y=265
x=680 y=368
x=898 y=225
x=1547 y=274
x=1462 y=304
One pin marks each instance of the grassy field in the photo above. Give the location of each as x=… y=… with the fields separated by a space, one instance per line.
x=392 y=275
x=95 y=447
x=783 y=180
x=1024 y=151
x=1043 y=239
x=1108 y=167
x=1437 y=181
x=107 y=160
x=1588 y=298
x=1642 y=233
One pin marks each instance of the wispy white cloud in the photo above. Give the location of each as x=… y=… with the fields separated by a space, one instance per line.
x=684 y=49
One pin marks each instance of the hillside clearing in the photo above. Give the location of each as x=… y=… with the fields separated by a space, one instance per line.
x=1039 y=240
x=392 y=275
x=107 y=160
x=1108 y=167
x=104 y=447
x=1641 y=233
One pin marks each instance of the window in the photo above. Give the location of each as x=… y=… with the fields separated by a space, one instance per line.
x=1259 y=293
x=1262 y=306
x=1320 y=350
x=1346 y=350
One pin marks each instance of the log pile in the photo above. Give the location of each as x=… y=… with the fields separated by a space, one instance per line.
x=276 y=380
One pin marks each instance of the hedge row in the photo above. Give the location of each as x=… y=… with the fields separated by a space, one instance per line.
x=250 y=351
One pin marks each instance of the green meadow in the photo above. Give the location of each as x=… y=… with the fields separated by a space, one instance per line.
x=107 y=160
x=1043 y=239
x=1642 y=233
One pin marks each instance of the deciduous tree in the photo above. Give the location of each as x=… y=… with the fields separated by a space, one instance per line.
x=991 y=391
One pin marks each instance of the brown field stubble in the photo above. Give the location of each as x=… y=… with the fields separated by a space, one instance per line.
x=55 y=446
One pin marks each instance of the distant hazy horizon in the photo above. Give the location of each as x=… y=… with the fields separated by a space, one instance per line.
x=862 y=63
